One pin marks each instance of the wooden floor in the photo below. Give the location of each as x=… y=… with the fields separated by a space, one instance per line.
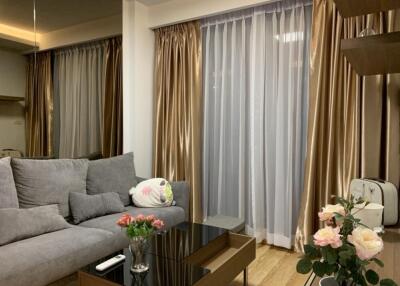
x=273 y=267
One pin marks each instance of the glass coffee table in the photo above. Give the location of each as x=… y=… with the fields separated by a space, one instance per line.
x=187 y=254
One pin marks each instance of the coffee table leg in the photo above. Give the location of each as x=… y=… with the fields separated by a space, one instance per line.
x=245 y=273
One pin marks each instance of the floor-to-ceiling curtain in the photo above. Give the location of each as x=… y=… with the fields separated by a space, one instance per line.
x=178 y=108
x=112 y=122
x=255 y=116
x=354 y=125
x=80 y=88
x=39 y=105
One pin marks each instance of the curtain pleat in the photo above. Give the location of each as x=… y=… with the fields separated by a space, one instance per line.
x=39 y=106
x=353 y=128
x=178 y=108
x=112 y=125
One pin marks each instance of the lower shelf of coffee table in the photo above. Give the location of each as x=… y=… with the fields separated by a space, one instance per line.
x=225 y=257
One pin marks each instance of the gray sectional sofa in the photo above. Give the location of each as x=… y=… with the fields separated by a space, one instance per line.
x=45 y=258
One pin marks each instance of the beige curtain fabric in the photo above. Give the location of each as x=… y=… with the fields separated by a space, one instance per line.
x=79 y=79
x=178 y=108
x=353 y=128
x=39 y=106
x=112 y=121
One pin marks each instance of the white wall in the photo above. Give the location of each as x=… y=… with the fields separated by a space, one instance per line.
x=85 y=32
x=12 y=114
x=138 y=58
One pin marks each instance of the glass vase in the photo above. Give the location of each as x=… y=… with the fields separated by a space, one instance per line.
x=138 y=246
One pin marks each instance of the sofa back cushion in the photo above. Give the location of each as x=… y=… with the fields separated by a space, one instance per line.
x=116 y=174
x=8 y=193
x=18 y=224
x=46 y=182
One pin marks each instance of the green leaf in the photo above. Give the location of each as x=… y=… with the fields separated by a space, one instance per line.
x=378 y=262
x=372 y=277
x=304 y=266
x=331 y=256
x=345 y=254
x=332 y=268
x=388 y=282
x=311 y=251
x=319 y=268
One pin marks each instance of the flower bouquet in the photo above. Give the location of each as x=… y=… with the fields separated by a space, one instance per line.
x=139 y=229
x=344 y=248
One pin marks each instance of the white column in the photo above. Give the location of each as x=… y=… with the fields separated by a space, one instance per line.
x=138 y=67
x=128 y=69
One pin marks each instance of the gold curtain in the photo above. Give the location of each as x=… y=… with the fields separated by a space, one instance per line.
x=353 y=128
x=178 y=104
x=112 y=120
x=39 y=106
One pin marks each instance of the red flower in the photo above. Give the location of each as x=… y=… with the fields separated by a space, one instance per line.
x=150 y=218
x=158 y=224
x=125 y=220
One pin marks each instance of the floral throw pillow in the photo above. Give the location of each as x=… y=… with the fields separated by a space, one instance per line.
x=152 y=193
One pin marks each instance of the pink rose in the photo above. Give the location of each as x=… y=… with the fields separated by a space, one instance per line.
x=125 y=220
x=158 y=224
x=328 y=236
x=328 y=212
x=366 y=241
x=140 y=218
x=150 y=218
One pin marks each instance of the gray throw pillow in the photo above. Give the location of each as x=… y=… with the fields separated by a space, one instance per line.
x=18 y=224
x=84 y=207
x=116 y=174
x=47 y=182
x=8 y=192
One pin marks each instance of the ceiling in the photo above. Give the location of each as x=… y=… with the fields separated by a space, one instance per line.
x=56 y=14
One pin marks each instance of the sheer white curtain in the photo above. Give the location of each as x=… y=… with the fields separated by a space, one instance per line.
x=79 y=87
x=255 y=116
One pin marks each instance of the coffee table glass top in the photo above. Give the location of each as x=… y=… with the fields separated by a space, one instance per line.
x=165 y=256
x=183 y=240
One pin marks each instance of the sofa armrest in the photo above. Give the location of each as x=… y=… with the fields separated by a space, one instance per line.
x=181 y=192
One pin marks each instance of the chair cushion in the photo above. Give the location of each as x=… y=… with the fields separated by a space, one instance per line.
x=46 y=258
x=47 y=182
x=170 y=215
x=116 y=174
x=8 y=192
x=18 y=224
x=84 y=207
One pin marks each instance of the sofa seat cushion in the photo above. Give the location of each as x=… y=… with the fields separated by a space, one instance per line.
x=46 y=258
x=170 y=215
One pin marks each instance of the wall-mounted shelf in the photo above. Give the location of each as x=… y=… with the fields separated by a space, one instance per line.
x=379 y=54
x=11 y=98
x=350 y=8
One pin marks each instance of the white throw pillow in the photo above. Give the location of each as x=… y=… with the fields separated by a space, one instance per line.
x=152 y=193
